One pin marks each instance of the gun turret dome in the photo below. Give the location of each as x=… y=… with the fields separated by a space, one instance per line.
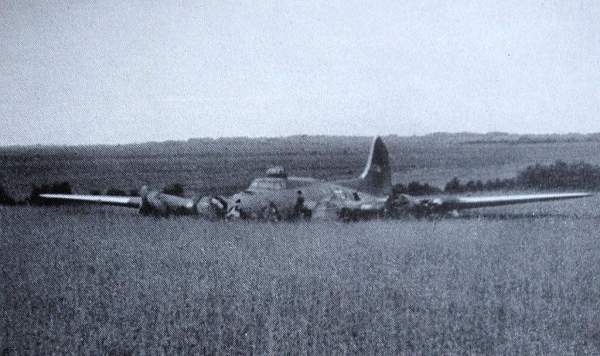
x=276 y=172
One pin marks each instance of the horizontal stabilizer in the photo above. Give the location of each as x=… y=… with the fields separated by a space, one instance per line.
x=131 y=202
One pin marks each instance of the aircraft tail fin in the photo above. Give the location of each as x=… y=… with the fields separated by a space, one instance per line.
x=377 y=176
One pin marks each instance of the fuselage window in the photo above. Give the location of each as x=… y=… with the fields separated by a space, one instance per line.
x=268 y=185
x=340 y=194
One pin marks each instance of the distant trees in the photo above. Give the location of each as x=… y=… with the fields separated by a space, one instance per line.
x=174 y=189
x=559 y=175
x=579 y=175
x=416 y=188
x=5 y=198
x=501 y=184
x=456 y=186
x=115 y=192
x=53 y=188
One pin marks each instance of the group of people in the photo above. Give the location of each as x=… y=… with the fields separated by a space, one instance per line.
x=271 y=212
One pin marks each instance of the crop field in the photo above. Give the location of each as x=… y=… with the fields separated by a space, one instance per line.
x=106 y=280
x=92 y=280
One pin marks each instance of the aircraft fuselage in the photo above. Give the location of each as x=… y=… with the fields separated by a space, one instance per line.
x=321 y=197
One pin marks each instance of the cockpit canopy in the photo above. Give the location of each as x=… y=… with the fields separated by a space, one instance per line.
x=268 y=184
x=276 y=179
x=276 y=172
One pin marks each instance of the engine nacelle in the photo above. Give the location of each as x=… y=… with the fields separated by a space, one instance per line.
x=160 y=204
x=403 y=205
x=211 y=207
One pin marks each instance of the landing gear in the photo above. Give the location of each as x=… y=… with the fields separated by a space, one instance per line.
x=353 y=215
x=271 y=213
x=347 y=215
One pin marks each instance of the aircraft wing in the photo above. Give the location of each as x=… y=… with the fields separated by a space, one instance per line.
x=131 y=202
x=480 y=202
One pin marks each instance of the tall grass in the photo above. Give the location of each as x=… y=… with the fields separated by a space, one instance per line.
x=103 y=280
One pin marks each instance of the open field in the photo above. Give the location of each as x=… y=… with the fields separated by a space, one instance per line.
x=93 y=280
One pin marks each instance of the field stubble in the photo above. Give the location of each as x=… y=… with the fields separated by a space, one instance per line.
x=101 y=280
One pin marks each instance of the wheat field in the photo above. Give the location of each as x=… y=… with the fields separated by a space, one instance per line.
x=97 y=280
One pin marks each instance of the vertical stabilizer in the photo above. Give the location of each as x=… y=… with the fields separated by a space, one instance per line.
x=377 y=176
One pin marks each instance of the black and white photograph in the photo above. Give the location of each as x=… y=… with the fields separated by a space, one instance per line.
x=299 y=177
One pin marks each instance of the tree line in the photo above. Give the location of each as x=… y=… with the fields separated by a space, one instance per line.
x=558 y=175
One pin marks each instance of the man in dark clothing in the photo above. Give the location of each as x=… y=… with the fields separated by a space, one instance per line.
x=299 y=202
x=299 y=209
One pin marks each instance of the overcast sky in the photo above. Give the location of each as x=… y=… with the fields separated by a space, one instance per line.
x=117 y=72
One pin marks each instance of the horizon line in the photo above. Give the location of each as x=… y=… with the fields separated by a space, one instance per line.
x=183 y=140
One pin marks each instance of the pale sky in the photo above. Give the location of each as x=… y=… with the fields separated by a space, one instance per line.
x=76 y=72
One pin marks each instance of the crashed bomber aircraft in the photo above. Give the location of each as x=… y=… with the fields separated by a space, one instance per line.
x=278 y=196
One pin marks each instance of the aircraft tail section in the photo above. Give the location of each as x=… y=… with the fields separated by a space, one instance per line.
x=377 y=175
x=376 y=178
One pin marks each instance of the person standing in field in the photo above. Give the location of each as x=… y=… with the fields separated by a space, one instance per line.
x=300 y=210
